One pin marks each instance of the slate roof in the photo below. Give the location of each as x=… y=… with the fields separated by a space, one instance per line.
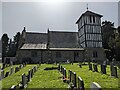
x=62 y=39
x=36 y=38
x=88 y=13
x=56 y=40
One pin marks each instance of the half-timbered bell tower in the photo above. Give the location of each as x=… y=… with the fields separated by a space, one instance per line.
x=89 y=33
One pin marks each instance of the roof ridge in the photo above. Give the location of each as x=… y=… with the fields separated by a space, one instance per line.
x=35 y=33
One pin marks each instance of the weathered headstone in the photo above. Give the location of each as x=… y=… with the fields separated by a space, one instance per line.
x=24 y=81
x=69 y=75
x=2 y=74
x=95 y=67
x=95 y=86
x=73 y=79
x=16 y=69
x=11 y=70
x=29 y=75
x=21 y=66
x=7 y=74
x=59 y=67
x=114 y=71
x=80 y=65
x=32 y=72
x=90 y=66
x=80 y=84
x=103 y=69
x=0 y=68
x=4 y=65
x=64 y=73
x=11 y=63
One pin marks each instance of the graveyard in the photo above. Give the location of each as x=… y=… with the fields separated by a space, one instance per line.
x=61 y=75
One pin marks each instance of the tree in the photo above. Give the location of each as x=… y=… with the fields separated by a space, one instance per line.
x=117 y=44
x=16 y=39
x=13 y=45
x=5 y=40
x=107 y=33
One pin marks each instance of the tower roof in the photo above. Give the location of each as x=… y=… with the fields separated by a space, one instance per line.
x=88 y=13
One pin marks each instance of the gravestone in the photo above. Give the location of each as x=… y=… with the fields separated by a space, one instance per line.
x=80 y=65
x=64 y=73
x=11 y=70
x=4 y=65
x=59 y=67
x=114 y=71
x=24 y=81
x=32 y=72
x=95 y=67
x=69 y=75
x=21 y=66
x=95 y=86
x=7 y=74
x=16 y=69
x=80 y=84
x=11 y=63
x=13 y=87
x=29 y=75
x=2 y=74
x=90 y=66
x=73 y=79
x=103 y=69
x=0 y=68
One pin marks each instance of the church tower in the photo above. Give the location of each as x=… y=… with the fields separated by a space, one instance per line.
x=89 y=33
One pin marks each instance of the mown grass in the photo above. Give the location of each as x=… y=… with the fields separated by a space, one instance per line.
x=52 y=78
x=47 y=78
x=15 y=78
x=104 y=80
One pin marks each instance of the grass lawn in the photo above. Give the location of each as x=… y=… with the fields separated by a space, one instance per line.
x=47 y=78
x=105 y=81
x=52 y=78
x=15 y=78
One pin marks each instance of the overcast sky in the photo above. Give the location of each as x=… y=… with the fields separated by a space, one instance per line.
x=39 y=16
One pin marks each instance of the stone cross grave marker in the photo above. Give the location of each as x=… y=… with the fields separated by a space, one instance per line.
x=80 y=84
x=95 y=86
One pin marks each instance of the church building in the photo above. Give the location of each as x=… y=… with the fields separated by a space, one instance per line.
x=63 y=46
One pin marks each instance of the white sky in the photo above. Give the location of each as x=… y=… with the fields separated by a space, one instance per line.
x=54 y=15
